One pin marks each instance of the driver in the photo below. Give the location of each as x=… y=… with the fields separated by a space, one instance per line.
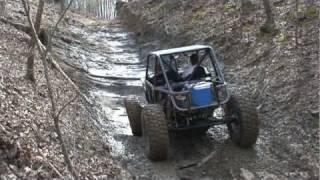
x=159 y=80
x=172 y=74
x=195 y=71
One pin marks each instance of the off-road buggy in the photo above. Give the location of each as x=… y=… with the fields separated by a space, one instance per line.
x=176 y=103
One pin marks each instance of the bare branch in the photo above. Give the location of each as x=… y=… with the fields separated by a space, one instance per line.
x=54 y=168
x=56 y=120
x=56 y=65
x=57 y=24
x=3 y=128
x=33 y=30
x=62 y=16
x=65 y=105
x=202 y=161
x=12 y=170
x=47 y=161
x=43 y=52
x=26 y=6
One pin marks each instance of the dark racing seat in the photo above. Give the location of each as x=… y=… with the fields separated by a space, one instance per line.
x=197 y=74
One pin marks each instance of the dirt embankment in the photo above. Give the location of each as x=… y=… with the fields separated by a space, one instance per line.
x=29 y=147
x=281 y=76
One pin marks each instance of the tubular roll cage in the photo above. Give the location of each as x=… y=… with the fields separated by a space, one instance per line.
x=172 y=93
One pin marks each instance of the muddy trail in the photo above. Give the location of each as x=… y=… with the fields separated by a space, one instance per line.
x=108 y=57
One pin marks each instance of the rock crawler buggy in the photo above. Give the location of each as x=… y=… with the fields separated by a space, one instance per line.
x=177 y=103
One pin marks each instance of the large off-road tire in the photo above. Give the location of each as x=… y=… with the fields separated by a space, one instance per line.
x=155 y=132
x=134 y=114
x=244 y=123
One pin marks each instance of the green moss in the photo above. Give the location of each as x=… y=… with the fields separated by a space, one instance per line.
x=304 y=15
x=199 y=15
x=229 y=7
x=290 y=16
x=312 y=12
x=283 y=38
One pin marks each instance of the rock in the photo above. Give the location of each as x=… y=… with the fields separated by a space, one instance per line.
x=9 y=150
x=27 y=169
x=102 y=177
x=267 y=176
x=2 y=177
x=66 y=39
x=315 y=114
x=246 y=174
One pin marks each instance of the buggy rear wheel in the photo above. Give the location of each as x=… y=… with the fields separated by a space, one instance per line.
x=134 y=114
x=155 y=132
x=243 y=122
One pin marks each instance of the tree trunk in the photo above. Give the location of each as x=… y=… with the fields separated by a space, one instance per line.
x=3 y=7
x=30 y=61
x=269 y=26
x=267 y=8
x=62 y=5
x=297 y=24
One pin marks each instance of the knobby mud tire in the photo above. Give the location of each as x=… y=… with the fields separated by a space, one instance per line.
x=134 y=114
x=244 y=127
x=155 y=132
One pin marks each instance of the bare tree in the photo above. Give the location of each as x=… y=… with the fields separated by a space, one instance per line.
x=3 y=7
x=62 y=4
x=55 y=112
x=269 y=25
x=297 y=24
x=267 y=8
x=30 y=62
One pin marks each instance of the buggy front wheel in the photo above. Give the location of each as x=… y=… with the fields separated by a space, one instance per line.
x=243 y=122
x=155 y=132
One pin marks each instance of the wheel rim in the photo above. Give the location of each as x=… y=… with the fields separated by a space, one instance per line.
x=235 y=127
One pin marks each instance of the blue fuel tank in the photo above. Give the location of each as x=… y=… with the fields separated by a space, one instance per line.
x=202 y=94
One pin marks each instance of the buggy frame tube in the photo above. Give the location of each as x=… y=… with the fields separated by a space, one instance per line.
x=171 y=93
